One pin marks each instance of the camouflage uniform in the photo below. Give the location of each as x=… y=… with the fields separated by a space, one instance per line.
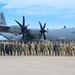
x=14 y=48
x=23 y=48
x=64 y=49
x=42 y=48
x=61 y=48
x=53 y=52
x=19 y=49
x=45 y=49
x=27 y=50
x=38 y=48
x=33 y=48
x=50 y=48
x=2 y=48
x=67 y=52
x=73 y=48
x=17 y=44
x=57 y=49
x=10 y=48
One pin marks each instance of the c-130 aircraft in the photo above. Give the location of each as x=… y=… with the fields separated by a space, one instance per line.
x=25 y=34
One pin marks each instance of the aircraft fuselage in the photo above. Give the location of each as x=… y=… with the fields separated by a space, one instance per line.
x=66 y=34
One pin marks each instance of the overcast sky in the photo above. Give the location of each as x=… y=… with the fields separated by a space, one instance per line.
x=56 y=13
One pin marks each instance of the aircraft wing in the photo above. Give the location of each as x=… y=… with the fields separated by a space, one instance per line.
x=11 y=37
x=8 y=36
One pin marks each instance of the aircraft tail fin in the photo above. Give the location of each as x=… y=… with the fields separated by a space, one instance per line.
x=2 y=19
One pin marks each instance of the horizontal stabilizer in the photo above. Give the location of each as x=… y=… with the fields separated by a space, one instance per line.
x=3 y=28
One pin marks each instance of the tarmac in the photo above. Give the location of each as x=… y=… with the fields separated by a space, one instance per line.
x=37 y=65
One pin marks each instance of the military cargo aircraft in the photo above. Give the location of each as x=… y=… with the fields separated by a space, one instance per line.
x=25 y=34
x=22 y=28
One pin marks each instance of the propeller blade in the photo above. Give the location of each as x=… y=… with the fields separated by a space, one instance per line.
x=18 y=23
x=44 y=26
x=40 y=36
x=23 y=36
x=40 y=25
x=44 y=36
x=27 y=25
x=23 y=21
x=24 y=29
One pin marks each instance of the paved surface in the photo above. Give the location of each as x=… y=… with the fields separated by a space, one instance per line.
x=37 y=65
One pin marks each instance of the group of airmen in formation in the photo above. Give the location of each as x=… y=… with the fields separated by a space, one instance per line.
x=32 y=49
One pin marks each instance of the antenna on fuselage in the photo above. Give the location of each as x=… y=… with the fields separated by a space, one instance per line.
x=64 y=26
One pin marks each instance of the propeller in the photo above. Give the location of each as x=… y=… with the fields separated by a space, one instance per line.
x=42 y=31
x=23 y=27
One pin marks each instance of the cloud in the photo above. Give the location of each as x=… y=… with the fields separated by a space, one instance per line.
x=26 y=3
x=40 y=7
x=36 y=10
x=68 y=16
